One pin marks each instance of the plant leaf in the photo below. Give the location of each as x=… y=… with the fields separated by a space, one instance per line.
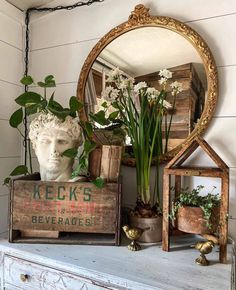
x=21 y=169
x=50 y=84
x=88 y=128
x=48 y=78
x=71 y=153
x=16 y=118
x=99 y=182
x=73 y=114
x=41 y=84
x=6 y=181
x=33 y=109
x=62 y=114
x=115 y=105
x=75 y=104
x=28 y=99
x=113 y=115
x=44 y=104
x=49 y=81
x=27 y=80
x=89 y=146
x=53 y=104
x=100 y=118
x=81 y=166
x=104 y=105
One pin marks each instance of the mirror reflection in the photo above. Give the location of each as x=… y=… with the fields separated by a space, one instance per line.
x=141 y=54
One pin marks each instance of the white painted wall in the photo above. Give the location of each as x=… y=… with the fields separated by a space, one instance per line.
x=11 y=70
x=62 y=40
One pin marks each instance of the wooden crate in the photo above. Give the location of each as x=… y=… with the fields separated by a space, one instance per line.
x=79 y=211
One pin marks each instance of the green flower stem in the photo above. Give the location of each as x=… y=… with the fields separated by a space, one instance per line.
x=170 y=122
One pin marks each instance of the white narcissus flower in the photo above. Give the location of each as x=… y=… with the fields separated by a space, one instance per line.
x=126 y=83
x=165 y=73
x=152 y=94
x=106 y=92
x=177 y=87
x=110 y=109
x=162 y=81
x=113 y=75
x=139 y=86
x=166 y=104
x=110 y=93
x=113 y=95
x=122 y=85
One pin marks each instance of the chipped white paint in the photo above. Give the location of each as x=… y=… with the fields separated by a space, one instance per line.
x=106 y=267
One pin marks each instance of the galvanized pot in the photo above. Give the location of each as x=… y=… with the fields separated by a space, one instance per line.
x=152 y=226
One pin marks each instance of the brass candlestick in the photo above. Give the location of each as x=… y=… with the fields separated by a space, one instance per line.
x=133 y=234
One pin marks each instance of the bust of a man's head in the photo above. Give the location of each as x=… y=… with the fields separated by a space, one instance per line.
x=50 y=137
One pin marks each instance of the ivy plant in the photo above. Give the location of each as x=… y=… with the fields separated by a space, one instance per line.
x=193 y=198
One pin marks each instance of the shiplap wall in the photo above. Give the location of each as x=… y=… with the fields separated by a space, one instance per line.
x=11 y=69
x=61 y=41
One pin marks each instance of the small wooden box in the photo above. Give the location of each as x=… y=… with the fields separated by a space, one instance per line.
x=105 y=161
x=79 y=211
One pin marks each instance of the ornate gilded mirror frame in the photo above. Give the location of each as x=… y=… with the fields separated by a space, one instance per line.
x=139 y=18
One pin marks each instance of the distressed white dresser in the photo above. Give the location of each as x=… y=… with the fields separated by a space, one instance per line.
x=75 y=267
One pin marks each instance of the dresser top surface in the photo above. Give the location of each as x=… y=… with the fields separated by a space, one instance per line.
x=151 y=266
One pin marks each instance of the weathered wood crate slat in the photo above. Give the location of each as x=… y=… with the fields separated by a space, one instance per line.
x=78 y=211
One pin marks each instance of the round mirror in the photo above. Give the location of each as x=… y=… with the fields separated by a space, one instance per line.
x=143 y=46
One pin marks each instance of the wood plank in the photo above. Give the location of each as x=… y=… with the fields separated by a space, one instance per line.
x=71 y=238
x=224 y=208
x=178 y=156
x=188 y=153
x=110 y=162
x=177 y=186
x=195 y=171
x=212 y=154
x=166 y=211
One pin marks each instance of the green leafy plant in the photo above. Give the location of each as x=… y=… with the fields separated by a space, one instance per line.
x=31 y=103
x=193 y=198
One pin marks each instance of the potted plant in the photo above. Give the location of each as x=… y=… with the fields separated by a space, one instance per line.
x=141 y=110
x=31 y=104
x=196 y=213
x=105 y=160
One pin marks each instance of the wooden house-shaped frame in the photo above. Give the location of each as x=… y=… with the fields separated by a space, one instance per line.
x=174 y=168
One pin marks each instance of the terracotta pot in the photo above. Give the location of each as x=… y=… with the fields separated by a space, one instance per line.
x=152 y=226
x=191 y=220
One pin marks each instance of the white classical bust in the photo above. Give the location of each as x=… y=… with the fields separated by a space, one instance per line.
x=50 y=137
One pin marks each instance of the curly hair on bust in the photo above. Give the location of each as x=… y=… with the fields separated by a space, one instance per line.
x=48 y=121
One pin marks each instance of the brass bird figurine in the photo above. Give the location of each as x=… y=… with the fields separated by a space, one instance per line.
x=204 y=248
x=133 y=234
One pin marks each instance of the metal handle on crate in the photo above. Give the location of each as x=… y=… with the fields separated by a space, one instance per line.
x=24 y=277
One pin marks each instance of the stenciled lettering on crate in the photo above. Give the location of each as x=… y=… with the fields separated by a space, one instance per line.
x=73 y=207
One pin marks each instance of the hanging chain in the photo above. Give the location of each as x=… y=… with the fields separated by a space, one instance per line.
x=26 y=60
x=26 y=142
